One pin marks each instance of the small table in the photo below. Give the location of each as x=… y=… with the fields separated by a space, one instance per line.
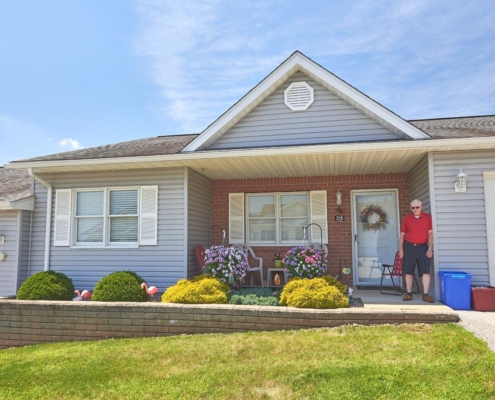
x=269 y=275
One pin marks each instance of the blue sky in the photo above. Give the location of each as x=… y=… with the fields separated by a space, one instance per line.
x=86 y=73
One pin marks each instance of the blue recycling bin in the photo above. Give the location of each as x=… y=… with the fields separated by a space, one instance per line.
x=455 y=289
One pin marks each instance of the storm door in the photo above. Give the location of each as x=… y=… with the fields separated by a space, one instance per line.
x=376 y=233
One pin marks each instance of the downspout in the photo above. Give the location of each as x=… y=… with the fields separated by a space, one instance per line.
x=49 y=196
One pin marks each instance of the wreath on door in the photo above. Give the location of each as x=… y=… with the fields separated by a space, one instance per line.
x=376 y=223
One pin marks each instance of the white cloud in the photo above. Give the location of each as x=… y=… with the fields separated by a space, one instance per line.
x=73 y=143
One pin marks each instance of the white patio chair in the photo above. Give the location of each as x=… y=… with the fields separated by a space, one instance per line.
x=249 y=251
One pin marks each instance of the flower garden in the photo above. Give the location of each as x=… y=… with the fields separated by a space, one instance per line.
x=224 y=272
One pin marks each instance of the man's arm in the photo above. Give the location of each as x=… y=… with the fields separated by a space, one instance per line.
x=401 y=242
x=429 y=253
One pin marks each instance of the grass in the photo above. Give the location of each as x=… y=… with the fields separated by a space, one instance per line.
x=377 y=362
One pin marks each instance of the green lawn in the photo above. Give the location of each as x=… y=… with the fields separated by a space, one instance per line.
x=379 y=362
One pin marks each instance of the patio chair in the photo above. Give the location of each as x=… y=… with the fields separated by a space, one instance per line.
x=249 y=251
x=391 y=271
x=200 y=253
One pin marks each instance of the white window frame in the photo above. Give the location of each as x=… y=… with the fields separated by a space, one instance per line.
x=278 y=218
x=106 y=218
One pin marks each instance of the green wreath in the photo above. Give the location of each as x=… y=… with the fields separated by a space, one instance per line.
x=373 y=226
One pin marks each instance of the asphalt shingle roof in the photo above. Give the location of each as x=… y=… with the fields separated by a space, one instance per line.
x=14 y=185
x=442 y=128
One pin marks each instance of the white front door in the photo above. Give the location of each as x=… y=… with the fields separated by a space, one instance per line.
x=376 y=233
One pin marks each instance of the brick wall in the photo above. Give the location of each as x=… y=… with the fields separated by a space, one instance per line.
x=25 y=323
x=339 y=233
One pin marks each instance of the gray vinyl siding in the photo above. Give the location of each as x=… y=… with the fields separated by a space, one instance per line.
x=9 y=227
x=328 y=120
x=460 y=217
x=161 y=266
x=38 y=230
x=199 y=217
x=419 y=184
x=25 y=240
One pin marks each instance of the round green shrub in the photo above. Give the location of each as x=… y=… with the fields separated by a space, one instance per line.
x=312 y=293
x=206 y=290
x=120 y=286
x=47 y=285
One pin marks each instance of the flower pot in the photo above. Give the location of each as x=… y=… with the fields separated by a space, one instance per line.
x=278 y=263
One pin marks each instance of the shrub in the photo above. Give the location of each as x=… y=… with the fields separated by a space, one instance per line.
x=207 y=290
x=47 y=285
x=120 y=286
x=229 y=264
x=312 y=293
x=253 y=297
x=305 y=262
x=334 y=282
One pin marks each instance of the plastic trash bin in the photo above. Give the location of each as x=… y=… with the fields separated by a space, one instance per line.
x=483 y=298
x=455 y=289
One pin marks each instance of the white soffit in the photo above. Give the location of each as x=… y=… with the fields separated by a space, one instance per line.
x=299 y=62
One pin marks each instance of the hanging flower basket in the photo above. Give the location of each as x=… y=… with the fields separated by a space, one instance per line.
x=305 y=262
x=380 y=220
x=229 y=264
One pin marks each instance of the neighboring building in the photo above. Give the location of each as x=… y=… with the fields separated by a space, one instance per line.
x=16 y=205
x=266 y=168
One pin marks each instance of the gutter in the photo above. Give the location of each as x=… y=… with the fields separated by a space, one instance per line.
x=49 y=198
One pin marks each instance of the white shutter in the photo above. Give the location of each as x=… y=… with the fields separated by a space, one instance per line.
x=62 y=217
x=236 y=218
x=148 y=216
x=318 y=200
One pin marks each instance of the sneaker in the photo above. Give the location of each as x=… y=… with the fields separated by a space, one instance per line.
x=407 y=297
x=428 y=298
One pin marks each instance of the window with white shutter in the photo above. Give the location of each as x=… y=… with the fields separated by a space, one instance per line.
x=148 y=215
x=319 y=216
x=236 y=218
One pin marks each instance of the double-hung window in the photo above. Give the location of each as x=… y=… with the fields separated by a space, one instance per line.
x=277 y=218
x=106 y=217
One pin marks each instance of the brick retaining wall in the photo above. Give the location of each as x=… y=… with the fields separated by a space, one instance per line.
x=25 y=323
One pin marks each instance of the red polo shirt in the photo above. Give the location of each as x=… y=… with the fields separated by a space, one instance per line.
x=416 y=229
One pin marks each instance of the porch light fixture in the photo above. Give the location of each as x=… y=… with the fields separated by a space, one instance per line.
x=338 y=196
x=460 y=185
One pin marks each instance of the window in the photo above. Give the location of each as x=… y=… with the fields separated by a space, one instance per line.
x=106 y=217
x=277 y=218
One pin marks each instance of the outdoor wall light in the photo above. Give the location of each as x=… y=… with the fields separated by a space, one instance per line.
x=338 y=196
x=460 y=185
x=2 y=239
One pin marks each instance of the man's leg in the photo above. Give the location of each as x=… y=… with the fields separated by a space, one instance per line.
x=426 y=282
x=409 y=282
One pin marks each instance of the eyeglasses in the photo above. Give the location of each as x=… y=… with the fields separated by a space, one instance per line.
x=415 y=208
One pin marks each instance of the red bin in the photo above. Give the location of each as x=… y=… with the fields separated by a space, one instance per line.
x=483 y=298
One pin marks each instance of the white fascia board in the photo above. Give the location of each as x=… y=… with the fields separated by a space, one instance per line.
x=5 y=206
x=297 y=60
x=26 y=203
x=481 y=143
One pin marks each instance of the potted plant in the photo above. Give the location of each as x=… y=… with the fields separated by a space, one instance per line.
x=305 y=262
x=278 y=260
x=229 y=264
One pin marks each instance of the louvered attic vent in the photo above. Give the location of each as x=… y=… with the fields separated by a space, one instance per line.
x=299 y=96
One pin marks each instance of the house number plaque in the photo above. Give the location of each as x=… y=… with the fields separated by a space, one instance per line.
x=339 y=218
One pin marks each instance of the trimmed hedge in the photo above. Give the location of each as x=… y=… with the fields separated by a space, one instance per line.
x=120 y=286
x=253 y=297
x=205 y=290
x=312 y=293
x=47 y=285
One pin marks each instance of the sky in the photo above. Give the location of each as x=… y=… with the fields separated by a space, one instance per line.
x=77 y=74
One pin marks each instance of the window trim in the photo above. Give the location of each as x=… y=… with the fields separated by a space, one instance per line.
x=278 y=218
x=106 y=219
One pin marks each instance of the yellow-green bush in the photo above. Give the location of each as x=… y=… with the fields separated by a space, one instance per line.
x=312 y=293
x=334 y=282
x=204 y=291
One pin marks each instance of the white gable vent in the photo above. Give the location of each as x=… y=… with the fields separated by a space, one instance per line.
x=299 y=96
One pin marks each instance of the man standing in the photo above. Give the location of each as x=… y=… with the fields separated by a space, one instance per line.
x=416 y=247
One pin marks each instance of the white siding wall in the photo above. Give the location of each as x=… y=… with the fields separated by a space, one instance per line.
x=9 y=227
x=460 y=217
x=419 y=184
x=38 y=230
x=328 y=120
x=199 y=217
x=160 y=265
x=25 y=237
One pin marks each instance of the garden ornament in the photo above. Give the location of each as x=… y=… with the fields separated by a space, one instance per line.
x=150 y=290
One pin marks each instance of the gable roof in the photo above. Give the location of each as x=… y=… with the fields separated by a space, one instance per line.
x=299 y=62
x=14 y=185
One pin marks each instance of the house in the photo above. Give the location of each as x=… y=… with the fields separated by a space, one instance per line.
x=16 y=217
x=263 y=171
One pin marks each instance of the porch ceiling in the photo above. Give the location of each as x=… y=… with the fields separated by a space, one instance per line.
x=279 y=162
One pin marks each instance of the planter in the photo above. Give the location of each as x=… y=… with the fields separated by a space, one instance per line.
x=278 y=263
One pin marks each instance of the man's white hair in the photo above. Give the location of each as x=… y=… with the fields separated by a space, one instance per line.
x=416 y=201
